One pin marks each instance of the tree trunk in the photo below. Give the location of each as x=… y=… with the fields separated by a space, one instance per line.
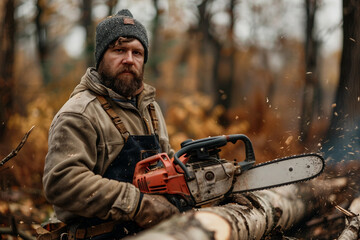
x=206 y=49
x=156 y=42
x=220 y=56
x=343 y=135
x=249 y=216
x=312 y=90
x=87 y=23
x=224 y=67
x=111 y=5
x=7 y=56
x=42 y=40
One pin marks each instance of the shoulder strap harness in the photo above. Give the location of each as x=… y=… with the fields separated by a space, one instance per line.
x=117 y=121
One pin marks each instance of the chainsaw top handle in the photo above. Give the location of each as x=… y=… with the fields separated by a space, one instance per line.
x=211 y=143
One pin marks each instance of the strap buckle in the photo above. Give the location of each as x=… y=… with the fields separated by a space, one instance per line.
x=106 y=106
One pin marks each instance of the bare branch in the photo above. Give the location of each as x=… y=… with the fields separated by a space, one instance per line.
x=17 y=149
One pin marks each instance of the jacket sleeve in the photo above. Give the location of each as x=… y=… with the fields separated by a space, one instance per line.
x=69 y=179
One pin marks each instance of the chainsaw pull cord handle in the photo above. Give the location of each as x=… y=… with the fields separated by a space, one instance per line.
x=214 y=142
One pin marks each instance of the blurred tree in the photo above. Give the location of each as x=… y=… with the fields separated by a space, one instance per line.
x=52 y=24
x=43 y=45
x=88 y=25
x=202 y=35
x=224 y=63
x=343 y=135
x=111 y=5
x=7 y=55
x=155 y=43
x=199 y=45
x=222 y=52
x=312 y=92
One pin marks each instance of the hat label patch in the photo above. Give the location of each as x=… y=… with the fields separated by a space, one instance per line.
x=129 y=21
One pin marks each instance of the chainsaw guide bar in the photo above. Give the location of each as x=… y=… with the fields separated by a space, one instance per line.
x=279 y=172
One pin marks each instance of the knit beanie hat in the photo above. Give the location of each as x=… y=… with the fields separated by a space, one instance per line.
x=121 y=24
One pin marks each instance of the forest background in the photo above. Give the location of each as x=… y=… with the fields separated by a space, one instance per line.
x=285 y=73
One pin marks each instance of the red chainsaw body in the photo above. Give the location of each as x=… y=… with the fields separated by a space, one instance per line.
x=167 y=179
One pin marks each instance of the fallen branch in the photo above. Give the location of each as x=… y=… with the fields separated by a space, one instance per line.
x=250 y=216
x=17 y=149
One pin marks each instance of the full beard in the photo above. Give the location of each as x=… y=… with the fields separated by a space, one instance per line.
x=124 y=84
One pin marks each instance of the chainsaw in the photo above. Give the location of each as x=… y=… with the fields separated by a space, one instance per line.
x=196 y=176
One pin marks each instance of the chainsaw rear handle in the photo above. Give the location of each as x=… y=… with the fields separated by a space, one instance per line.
x=213 y=142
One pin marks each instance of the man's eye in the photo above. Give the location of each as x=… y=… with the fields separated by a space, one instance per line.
x=137 y=53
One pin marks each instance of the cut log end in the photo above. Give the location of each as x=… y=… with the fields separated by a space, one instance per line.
x=215 y=223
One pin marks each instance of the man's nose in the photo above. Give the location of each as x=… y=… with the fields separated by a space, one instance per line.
x=128 y=58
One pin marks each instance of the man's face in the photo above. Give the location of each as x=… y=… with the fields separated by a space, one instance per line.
x=122 y=67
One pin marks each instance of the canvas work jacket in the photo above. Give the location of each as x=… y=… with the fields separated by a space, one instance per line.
x=83 y=141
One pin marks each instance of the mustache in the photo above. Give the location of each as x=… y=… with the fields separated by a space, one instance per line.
x=127 y=70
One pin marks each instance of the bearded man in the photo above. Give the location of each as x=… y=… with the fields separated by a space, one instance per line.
x=110 y=122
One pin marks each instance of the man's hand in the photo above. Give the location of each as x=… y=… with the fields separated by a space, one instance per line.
x=153 y=209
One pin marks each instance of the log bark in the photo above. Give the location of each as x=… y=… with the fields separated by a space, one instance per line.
x=352 y=228
x=248 y=216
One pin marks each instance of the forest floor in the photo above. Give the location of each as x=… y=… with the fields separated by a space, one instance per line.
x=23 y=211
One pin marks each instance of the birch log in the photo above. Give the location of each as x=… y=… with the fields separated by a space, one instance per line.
x=352 y=228
x=248 y=216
